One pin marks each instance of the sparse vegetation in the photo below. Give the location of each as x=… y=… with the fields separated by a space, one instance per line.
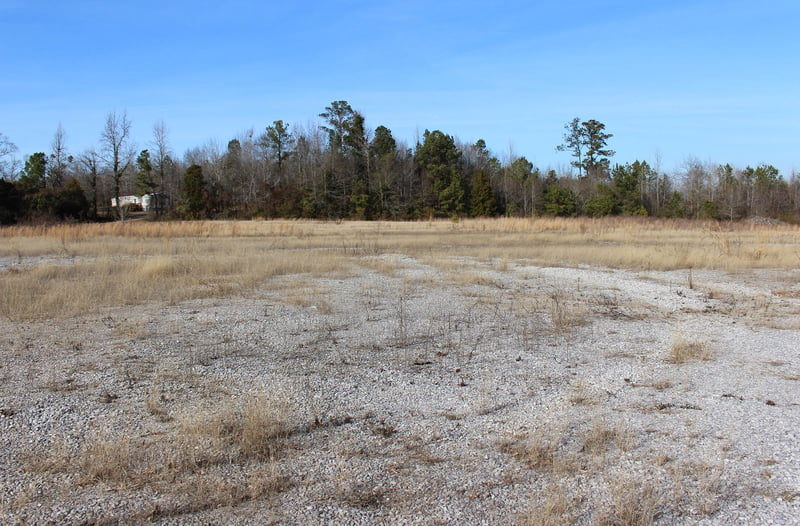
x=553 y=507
x=517 y=391
x=583 y=394
x=193 y=461
x=600 y=437
x=683 y=350
x=565 y=311
x=632 y=503
x=108 y=459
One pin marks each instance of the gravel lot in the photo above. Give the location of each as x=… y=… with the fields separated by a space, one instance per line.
x=477 y=392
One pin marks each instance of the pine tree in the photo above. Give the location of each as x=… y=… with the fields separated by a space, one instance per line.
x=144 y=174
x=482 y=202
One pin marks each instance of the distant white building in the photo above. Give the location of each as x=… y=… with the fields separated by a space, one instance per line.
x=126 y=200
x=154 y=202
x=148 y=202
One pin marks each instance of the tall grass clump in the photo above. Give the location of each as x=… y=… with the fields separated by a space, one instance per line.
x=254 y=429
x=684 y=349
x=632 y=503
x=552 y=507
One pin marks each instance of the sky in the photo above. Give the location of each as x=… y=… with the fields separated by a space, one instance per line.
x=673 y=81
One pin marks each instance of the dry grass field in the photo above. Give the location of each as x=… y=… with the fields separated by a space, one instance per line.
x=504 y=371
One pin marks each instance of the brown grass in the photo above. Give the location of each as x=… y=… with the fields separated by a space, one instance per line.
x=303 y=293
x=601 y=436
x=65 y=270
x=552 y=507
x=216 y=455
x=647 y=243
x=684 y=350
x=540 y=449
x=83 y=286
x=632 y=503
x=109 y=459
x=255 y=428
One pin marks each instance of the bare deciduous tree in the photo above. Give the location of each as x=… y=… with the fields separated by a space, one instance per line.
x=59 y=159
x=87 y=166
x=117 y=152
x=161 y=152
x=7 y=163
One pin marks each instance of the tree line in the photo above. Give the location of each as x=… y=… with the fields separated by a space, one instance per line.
x=343 y=169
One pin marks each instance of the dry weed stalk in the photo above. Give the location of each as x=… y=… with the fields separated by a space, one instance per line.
x=583 y=394
x=698 y=484
x=632 y=503
x=154 y=401
x=565 y=313
x=56 y=458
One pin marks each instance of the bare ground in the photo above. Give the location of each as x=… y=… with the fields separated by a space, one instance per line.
x=483 y=392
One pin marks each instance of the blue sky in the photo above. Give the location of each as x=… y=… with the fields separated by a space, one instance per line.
x=716 y=81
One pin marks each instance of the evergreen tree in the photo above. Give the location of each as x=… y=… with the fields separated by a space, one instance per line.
x=384 y=174
x=587 y=142
x=144 y=174
x=557 y=200
x=339 y=116
x=348 y=149
x=627 y=181
x=71 y=201
x=596 y=161
x=438 y=159
x=194 y=192
x=34 y=175
x=482 y=201
x=383 y=143
x=604 y=202
x=278 y=141
x=674 y=207
x=521 y=197
x=574 y=143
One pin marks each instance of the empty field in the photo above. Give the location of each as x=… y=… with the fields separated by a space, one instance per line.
x=480 y=372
